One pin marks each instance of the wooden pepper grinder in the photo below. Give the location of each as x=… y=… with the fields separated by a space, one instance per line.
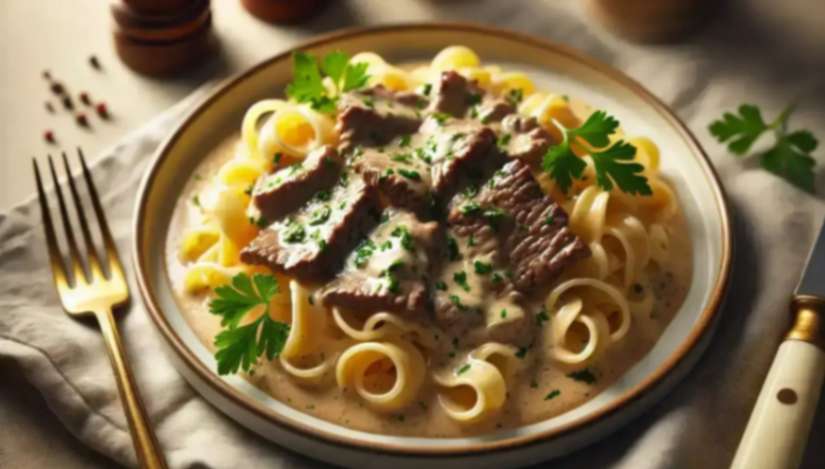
x=284 y=11
x=162 y=37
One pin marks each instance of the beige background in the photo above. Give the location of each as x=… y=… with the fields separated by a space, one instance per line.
x=59 y=35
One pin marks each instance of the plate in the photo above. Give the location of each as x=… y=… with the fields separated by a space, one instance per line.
x=550 y=65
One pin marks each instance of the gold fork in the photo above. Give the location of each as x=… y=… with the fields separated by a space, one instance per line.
x=96 y=292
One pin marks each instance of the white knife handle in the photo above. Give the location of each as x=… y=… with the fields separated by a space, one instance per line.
x=777 y=431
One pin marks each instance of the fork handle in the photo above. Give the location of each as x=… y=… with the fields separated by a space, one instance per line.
x=143 y=437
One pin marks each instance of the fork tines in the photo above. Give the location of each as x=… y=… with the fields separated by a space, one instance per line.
x=79 y=272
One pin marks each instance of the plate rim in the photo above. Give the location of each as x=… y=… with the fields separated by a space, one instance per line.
x=702 y=327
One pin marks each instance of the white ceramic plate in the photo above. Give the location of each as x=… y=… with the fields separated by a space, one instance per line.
x=551 y=66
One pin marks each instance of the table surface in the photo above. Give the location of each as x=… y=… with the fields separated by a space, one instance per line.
x=59 y=36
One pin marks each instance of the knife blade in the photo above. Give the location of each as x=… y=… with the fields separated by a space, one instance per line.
x=812 y=282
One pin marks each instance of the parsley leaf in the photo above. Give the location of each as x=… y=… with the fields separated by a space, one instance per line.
x=307 y=84
x=613 y=164
x=238 y=347
x=355 y=76
x=740 y=130
x=790 y=156
x=334 y=64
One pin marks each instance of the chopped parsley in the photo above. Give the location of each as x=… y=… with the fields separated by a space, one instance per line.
x=515 y=96
x=552 y=395
x=239 y=347
x=196 y=201
x=425 y=90
x=462 y=369
x=454 y=299
x=473 y=99
x=294 y=233
x=482 y=268
x=410 y=174
x=504 y=140
x=584 y=375
x=320 y=215
x=503 y=313
x=441 y=117
x=440 y=285
x=403 y=232
x=470 y=208
x=405 y=158
x=460 y=278
x=323 y=196
x=497 y=278
x=542 y=317
x=363 y=253
x=405 y=141
x=549 y=220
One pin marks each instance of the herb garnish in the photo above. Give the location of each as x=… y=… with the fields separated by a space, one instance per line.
x=790 y=156
x=410 y=174
x=294 y=233
x=613 y=164
x=452 y=249
x=552 y=394
x=403 y=232
x=307 y=82
x=363 y=253
x=440 y=285
x=320 y=215
x=463 y=369
x=482 y=268
x=584 y=375
x=238 y=347
x=460 y=278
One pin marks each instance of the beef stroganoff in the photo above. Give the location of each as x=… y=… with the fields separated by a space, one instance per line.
x=442 y=245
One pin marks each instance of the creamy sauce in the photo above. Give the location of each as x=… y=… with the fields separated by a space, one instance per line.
x=532 y=392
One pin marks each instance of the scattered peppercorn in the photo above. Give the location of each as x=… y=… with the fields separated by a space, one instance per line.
x=102 y=110
x=84 y=98
x=49 y=107
x=49 y=136
x=67 y=102
x=94 y=62
x=81 y=119
x=47 y=75
x=57 y=88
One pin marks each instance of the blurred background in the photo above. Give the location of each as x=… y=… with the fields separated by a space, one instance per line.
x=54 y=49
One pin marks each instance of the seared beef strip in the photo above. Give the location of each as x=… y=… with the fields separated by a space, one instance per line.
x=311 y=243
x=532 y=227
x=454 y=94
x=388 y=270
x=285 y=190
x=525 y=138
x=460 y=148
x=473 y=286
x=401 y=179
x=376 y=115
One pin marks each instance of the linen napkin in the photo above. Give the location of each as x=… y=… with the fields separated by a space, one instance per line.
x=697 y=425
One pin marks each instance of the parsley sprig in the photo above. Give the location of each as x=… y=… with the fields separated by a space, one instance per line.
x=613 y=164
x=238 y=347
x=308 y=74
x=790 y=156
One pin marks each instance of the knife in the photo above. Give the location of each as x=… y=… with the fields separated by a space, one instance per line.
x=777 y=431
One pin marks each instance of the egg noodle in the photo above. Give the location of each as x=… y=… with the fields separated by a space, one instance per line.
x=384 y=359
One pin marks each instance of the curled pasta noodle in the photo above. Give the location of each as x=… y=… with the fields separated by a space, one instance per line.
x=295 y=129
x=473 y=392
x=596 y=339
x=251 y=120
x=306 y=324
x=634 y=241
x=550 y=110
x=388 y=375
x=647 y=153
x=587 y=218
x=502 y=356
x=453 y=58
x=208 y=275
x=598 y=289
x=240 y=172
x=196 y=241
x=383 y=325
x=230 y=213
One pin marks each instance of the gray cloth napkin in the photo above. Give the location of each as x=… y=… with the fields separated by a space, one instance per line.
x=697 y=425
